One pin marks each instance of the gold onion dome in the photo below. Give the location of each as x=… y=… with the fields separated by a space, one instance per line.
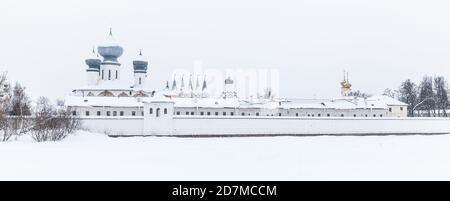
x=346 y=84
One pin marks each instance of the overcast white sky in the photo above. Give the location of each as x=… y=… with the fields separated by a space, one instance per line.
x=43 y=43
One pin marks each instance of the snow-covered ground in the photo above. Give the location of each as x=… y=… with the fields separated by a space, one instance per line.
x=89 y=156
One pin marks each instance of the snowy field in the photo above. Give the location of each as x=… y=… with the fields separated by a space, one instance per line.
x=88 y=156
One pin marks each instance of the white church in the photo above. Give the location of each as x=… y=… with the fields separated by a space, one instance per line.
x=185 y=107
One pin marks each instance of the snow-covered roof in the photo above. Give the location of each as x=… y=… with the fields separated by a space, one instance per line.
x=388 y=100
x=91 y=101
x=111 y=86
x=338 y=103
x=206 y=102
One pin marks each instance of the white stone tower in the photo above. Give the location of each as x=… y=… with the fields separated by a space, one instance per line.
x=140 y=71
x=110 y=67
x=93 y=71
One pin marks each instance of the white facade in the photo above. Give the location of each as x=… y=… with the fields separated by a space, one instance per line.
x=107 y=98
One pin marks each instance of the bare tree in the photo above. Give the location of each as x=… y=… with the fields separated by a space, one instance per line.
x=426 y=95
x=5 y=97
x=20 y=103
x=391 y=93
x=51 y=123
x=360 y=94
x=441 y=95
x=408 y=94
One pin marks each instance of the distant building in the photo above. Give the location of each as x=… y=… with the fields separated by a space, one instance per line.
x=107 y=94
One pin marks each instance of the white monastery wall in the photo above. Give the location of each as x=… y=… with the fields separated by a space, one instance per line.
x=238 y=125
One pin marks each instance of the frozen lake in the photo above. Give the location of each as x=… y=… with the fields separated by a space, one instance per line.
x=97 y=157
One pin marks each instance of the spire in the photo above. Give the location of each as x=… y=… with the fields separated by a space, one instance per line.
x=167 y=85
x=182 y=82
x=110 y=31
x=140 y=52
x=174 y=83
x=191 y=87
x=204 y=84
x=197 y=84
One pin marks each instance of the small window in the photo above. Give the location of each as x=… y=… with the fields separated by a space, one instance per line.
x=257 y=114
x=108 y=113
x=328 y=115
x=192 y=113
x=232 y=113
x=374 y=115
x=151 y=111
x=208 y=113
x=87 y=113
x=133 y=113
x=117 y=76
x=296 y=114
x=165 y=110
x=140 y=81
x=318 y=115
x=109 y=75
x=114 y=113
x=224 y=113
x=366 y=115
x=243 y=114
x=157 y=112
x=309 y=115
x=178 y=113
x=99 y=113
x=381 y=115
x=279 y=114
x=312 y=115
x=142 y=113
x=217 y=113
x=187 y=113
x=74 y=113
x=103 y=74
x=202 y=113
x=401 y=108
x=354 y=115
x=342 y=115
x=390 y=109
x=121 y=113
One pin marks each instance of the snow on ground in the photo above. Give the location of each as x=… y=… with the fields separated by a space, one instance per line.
x=90 y=156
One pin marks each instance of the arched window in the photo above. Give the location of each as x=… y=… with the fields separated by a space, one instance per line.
x=342 y=115
x=157 y=112
x=165 y=110
x=109 y=75
x=103 y=74
x=117 y=74
x=151 y=110
x=140 y=81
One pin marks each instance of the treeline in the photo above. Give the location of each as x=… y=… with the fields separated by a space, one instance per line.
x=43 y=122
x=427 y=98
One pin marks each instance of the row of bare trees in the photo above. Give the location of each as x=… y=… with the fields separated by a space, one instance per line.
x=427 y=98
x=44 y=122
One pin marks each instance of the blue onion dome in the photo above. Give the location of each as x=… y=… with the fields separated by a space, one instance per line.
x=229 y=81
x=93 y=61
x=110 y=50
x=140 y=64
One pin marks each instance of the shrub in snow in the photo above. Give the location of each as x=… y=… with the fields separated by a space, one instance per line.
x=52 y=124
